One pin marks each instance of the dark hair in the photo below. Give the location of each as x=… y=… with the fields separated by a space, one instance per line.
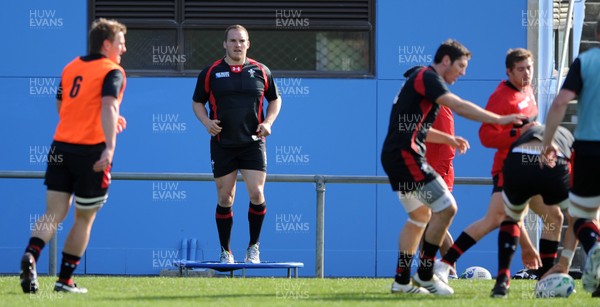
x=101 y=30
x=514 y=56
x=235 y=27
x=451 y=48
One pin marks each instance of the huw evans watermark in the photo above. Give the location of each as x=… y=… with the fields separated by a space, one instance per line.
x=536 y=18
x=44 y=154
x=292 y=87
x=168 y=191
x=413 y=55
x=416 y=189
x=168 y=123
x=46 y=292
x=291 y=290
x=164 y=258
x=45 y=20
x=408 y=123
x=291 y=155
x=167 y=55
x=43 y=87
x=290 y=19
x=44 y=223
x=291 y=223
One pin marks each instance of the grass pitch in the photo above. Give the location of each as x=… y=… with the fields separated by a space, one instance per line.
x=192 y=291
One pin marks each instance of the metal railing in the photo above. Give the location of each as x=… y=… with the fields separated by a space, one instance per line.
x=320 y=180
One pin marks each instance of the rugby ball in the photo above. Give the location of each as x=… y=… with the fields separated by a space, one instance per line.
x=476 y=272
x=555 y=285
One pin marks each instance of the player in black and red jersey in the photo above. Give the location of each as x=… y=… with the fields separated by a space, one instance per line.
x=421 y=191
x=79 y=161
x=235 y=88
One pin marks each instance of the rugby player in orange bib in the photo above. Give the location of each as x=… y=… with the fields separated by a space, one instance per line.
x=81 y=155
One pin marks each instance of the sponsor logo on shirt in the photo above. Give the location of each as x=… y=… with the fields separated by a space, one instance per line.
x=524 y=104
x=224 y=74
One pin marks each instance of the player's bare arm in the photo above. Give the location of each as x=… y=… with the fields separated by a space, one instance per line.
x=110 y=117
x=569 y=245
x=212 y=126
x=264 y=129
x=440 y=137
x=555 y=115
x=472 y=111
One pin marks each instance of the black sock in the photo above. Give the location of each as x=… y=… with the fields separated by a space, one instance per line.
x=256 y=215
x=35 y=247
x=587 y=232
x=548 y=254
x=224 y=217
x=508 y=239
x=403 y=268
x=426 y=260
x=460 y=246
x=67 y=266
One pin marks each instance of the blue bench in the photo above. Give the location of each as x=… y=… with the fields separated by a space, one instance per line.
x=185 y=265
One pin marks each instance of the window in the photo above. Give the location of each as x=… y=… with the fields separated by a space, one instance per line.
x=310 y=38
x=559 y=23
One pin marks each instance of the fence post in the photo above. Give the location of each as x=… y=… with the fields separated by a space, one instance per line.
x=320 y=249
x=53 y=254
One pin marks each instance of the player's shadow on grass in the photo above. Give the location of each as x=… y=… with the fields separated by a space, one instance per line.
x=212 y=297
x=375 y=296
x=300 y=297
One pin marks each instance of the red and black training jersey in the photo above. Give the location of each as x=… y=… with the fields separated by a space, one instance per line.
x=235 y=95
x=505 y=100
x=414 y=112
x=440 y=156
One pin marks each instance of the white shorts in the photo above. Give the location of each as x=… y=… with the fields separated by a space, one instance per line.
x=434 y=195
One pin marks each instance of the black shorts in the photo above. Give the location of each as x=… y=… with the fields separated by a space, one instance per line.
x=407 y=172
x=523 y=179
x=225 y=160
x=586 y=169
x=497 y=182
x=70 y=170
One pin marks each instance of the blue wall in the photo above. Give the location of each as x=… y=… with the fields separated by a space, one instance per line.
x=331 y=126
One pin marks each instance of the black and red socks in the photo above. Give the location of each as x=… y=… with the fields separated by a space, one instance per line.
x=256 y=216
x=224 y=218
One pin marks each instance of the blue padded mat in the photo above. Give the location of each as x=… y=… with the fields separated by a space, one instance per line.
x=224 y=267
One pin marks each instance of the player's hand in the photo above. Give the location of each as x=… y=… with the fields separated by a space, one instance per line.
x=514 y=119
x=548 y=157
x=531 y=259
x=105 y=161
x=264 y=129
x=213 y=127
x=121 y=124
x=557 y=268
x=461 y=144
x=529 y=125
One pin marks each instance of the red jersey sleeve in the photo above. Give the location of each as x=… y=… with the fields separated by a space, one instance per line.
x=440 y=156
x=494 y=135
